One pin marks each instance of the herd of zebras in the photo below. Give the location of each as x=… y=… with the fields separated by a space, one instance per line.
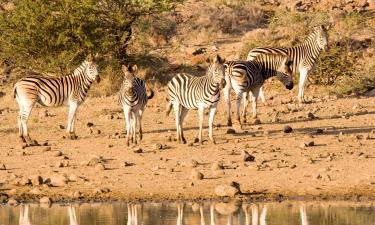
x=184 y=91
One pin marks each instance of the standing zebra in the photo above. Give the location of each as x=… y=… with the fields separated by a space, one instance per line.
x=245 y=76
x=54 y=91
x=133 y=98
x=189 y=92
x=304 y=56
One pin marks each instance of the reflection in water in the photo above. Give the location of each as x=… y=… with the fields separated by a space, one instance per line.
x=216 y=213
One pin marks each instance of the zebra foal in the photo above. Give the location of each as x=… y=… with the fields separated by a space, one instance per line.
x=304 y=56
x=68 y=90
x=133 y=98
x=246 y=76
x=188 y=92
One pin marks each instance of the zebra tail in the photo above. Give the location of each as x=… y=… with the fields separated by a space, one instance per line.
x=169 y=108
x=15 y=92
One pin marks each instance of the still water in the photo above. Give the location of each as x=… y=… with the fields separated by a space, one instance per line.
x=234 y=213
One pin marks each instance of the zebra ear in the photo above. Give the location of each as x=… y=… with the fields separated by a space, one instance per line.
x=124 y=69
x=218 y=59
x=208 y=60
x=134 y=69
x=89 y=57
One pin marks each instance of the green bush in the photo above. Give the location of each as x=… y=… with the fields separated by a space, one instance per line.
x=55 y=35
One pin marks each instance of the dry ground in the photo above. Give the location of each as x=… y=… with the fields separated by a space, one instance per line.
x=339 y=165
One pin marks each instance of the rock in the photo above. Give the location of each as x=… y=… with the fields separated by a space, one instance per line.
x=58 y=180
x=158 y=146
x=217 y=166
x=196 y=175
x=46 y=149
x=12 y=202
x=89 y=124
x=62 y=127
x=287 y=129
x=196 y=140
x=3 y=197
x=138 y=150
x=231 y=131
x=227 y=190
x=25 y=181
x=3 y=167
x=308 y=144
x=319 y=131
x=310 y=115
x=257 y=121
x=99 y=167
x=59 y=164
x=246 y=157
x=293 y=166
x=45 y=201
x=94 y=161
x=57 y=153
x=36 y=180
x=73 y=178
x=194 y=163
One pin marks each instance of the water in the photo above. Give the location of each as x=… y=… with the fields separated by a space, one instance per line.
x=286 y=213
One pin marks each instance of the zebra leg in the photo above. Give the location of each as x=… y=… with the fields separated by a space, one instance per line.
x=302 y=81
x=26 y=111
x=226 y=91
x=134 y=125
x=184 y=112
x=255 y=93
x=127 y=124
x=140 y=124
x=261 y=95
x=177 y=110
x=201 y=117
x=245 y=96
x=20 y=129
x=238 y=105
x=210 y=123
x=71 y=119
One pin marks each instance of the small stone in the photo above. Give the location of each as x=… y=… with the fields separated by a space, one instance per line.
x=99 y=167
x=57 y=153
x=287 y=129
x=62 y=127
x=310 y=115
x=257 y=121
x=231 y=131
x=227 y=190
x=59 y=164
x=58 y=181
x=217 y=166
x=73 y=178
x=194 y=163
x=12 y=202
x=246 y=157
x=319 y=131
x=46 y=149
x=310 y=143
x=36 y=180
x=3 y=167
x=3 y=197
x=45 y=201
x=138 y=150
x=196 y=175
x=196 y=140
x=293 y=166
x=158 y=146
x=89 y=124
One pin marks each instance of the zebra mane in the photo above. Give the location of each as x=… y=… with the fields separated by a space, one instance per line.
x=312 y=36
x=80 y=69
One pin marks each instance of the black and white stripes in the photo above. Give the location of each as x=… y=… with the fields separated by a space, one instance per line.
x=304 y=55
x=245 y=76
x=133 y=98
x=50 y=91
x=188 y=92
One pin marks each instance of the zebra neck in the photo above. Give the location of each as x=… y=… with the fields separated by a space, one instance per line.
x=311 y=46
x=210 y=83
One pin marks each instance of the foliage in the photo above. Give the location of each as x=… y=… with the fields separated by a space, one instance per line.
x=57 y=34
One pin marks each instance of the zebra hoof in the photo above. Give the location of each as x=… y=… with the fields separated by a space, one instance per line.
x=72 y=136
x=22 y=139
x=229 y=123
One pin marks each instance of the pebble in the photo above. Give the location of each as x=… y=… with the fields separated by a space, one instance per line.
x=231 y=131
x=217 y=166
x=196 y=175
x=287 y=129
x=59 y=164
x=227 y=190
x=138 y=150
x=3 y=197
x=319 y=131
x=62 y=127
x=45 y=200
x=257 y=121
x=57 y=153
x=58 y=180
x=46 y=149
x=99 y=167
x=310 y=115
x=158 y=146
x=89 y=124
x=193 y=163
x=246 y=157
x=3 y=167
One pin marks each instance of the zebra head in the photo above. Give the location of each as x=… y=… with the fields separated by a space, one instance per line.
x=91 y=69
x=217 y=71
x=284 y=72
x=321 y=36
x=129 y=77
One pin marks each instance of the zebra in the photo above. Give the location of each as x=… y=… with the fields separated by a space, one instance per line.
x=68 y=90
x=133 y=98
x=304 y=56
x=189 y=92
x=245 y=76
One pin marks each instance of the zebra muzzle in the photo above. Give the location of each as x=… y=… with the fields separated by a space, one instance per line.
x=222 y=84
x=98 y=79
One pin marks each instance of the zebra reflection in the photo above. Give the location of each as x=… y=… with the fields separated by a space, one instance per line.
x=72 y=215
x=24 y=215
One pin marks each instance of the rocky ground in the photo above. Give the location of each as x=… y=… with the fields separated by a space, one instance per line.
x=328 y=154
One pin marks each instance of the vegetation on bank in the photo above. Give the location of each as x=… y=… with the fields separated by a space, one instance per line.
x=55 y=37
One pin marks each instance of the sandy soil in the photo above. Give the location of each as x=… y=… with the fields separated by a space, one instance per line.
x=340 y=164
